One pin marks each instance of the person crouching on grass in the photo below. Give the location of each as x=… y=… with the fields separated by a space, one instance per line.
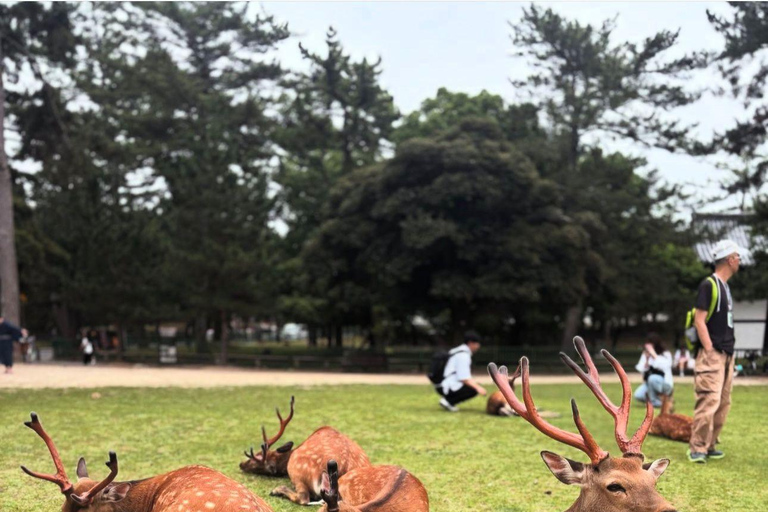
x=458 y=385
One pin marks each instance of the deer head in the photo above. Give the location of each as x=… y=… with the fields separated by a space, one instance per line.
x=329 y=492
x=270 y=462
x=85 y=493
x=624 y=484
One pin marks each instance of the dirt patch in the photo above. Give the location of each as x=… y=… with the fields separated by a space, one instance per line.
x=71 y=375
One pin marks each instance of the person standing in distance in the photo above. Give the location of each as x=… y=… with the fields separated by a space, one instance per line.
x=8 y=334
x=458 y=385
x=713 y=379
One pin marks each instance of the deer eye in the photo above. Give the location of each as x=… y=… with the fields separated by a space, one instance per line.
x=616 y=488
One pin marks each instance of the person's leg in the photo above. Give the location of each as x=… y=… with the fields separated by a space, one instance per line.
x=463 y=394
x=708 y=385
x=6 y=355
x=641 y=392
x=656 y=386
x=725 y=401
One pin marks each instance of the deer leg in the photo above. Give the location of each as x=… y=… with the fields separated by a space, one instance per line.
x=300 y=496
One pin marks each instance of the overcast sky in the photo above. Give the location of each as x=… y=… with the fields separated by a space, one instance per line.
x=466 y=47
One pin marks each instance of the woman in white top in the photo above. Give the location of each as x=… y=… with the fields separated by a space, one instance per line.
x=86 y=347
x=656 y=366
x=684 y=361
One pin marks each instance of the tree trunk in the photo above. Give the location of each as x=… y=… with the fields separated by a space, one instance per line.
x=9 y=270
x=339 y=336
x=224 y=338
x=571 y=327
x=201 y=324
x=312 y=335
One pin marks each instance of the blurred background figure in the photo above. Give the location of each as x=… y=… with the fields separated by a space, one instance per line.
x=656 y=366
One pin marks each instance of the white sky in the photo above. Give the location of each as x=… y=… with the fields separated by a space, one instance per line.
x=465 y=46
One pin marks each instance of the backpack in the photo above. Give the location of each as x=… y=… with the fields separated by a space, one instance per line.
x=436 y=373
x=691 y=335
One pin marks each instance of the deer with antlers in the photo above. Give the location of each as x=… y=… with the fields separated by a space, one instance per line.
x=672 y=426
x=305 y=464
x=372 y=489
x=608 y=484
x=187 y=489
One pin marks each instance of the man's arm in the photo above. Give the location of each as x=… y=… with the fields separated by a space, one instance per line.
x=700 y=322
x=471 y=383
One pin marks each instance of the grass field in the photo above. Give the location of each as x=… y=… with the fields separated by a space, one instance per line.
x=467 y=461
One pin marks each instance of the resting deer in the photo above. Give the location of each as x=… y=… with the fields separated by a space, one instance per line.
x=673 y=426
x=190 y=488
x=607 y=484
x=373 y=489
x=304 y=465
x=497 y=406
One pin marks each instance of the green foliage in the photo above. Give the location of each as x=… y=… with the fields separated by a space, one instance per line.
x=335 y=118
x=394 y=424
x=745 y=41
x=459 y=222
x=592 y=83
x=447 y=109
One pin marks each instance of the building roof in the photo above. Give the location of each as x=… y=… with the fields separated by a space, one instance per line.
x=715 y=227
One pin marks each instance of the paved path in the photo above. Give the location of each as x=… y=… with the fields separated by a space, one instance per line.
x=70 y=375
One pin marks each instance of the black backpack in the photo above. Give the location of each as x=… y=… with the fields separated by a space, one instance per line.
x=436 y=373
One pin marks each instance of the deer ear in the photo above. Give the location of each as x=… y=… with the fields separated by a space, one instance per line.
x=116 y=492
x=325 y=484
x=566 y=470
x=82 y=470
x=657 y=467
x=285 y=448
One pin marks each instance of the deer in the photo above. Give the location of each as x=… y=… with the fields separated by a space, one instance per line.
x=305 y=464
x=190 y=488
x=498 y=406
x=608 y=484
x=372 y=489
x=672 y=426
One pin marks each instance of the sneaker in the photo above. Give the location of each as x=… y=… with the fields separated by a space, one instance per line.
x=696 y=457
x=715 y=454
x=445 y=404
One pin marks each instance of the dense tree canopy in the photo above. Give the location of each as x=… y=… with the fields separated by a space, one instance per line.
x=181 y=173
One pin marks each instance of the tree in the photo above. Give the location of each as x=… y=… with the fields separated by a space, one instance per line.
x=193 y=107
x=447 y=109
x=335 y=118
x=590 y=84
x=457 y=224
x=745 y=42
x=34 y=34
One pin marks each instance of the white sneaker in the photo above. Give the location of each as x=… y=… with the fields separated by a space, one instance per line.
x=445 y=404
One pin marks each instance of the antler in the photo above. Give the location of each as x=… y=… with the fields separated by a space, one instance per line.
x=86 y=498
x=584 y=442
x=620 y=414
x=60 y=478
x=329 y=490
x=283 y=424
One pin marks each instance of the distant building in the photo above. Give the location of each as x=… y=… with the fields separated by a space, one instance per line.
x=750 y=317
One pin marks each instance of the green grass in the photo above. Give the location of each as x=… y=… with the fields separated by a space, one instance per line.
x=467 y=461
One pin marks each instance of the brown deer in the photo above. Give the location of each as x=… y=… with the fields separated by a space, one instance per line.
x=498 y=406
x=305 y=464
x=373 y=489
x=672 y=426
x=607 y=484
x=190 y=488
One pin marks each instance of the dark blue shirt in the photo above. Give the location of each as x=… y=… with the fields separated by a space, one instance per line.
x=9 y=332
